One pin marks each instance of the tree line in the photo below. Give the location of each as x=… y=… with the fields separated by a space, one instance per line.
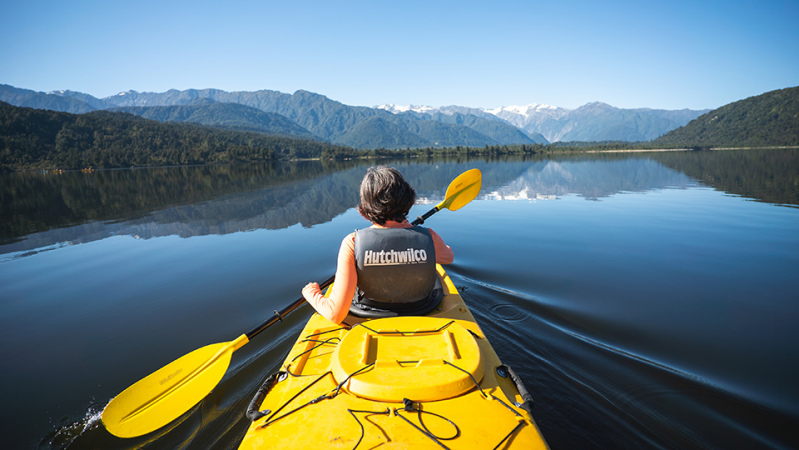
x=43 y=139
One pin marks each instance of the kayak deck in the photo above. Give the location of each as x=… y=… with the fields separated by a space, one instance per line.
x=401 y=382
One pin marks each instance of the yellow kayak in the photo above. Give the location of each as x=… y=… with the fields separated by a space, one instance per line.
x=391 y=383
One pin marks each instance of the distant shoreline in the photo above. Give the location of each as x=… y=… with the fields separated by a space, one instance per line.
x=399 y=154
x=643 y=150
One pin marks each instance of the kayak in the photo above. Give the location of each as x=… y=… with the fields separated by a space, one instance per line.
x=394 y=383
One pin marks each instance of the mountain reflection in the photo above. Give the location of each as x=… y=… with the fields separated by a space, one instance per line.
x=591 y=179
x=43 y=211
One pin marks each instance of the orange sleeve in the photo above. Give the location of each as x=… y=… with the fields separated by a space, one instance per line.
x=335 y=307
x=444 y=253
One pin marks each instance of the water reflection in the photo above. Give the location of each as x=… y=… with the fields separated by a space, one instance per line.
x=548 y=180
x=43 y=211
x=765 y=175
x=667 y=317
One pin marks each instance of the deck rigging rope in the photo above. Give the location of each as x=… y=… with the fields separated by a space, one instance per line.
x=319 y=344
x=410 y=406
x=403 y=333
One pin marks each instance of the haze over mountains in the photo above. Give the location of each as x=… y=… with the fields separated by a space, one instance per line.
x=312 y=116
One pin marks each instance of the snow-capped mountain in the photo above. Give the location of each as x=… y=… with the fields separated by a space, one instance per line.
x=524 y=116
x=529 y=118
x=591 y=122
x=518 y=116
x=396 y=109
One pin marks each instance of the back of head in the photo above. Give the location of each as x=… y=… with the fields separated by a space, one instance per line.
x=385 y=195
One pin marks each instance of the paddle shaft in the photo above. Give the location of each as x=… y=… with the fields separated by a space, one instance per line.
x=420 y=220
x=279 y=315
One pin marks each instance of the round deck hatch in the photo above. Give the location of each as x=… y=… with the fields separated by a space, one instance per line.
x=419 y=358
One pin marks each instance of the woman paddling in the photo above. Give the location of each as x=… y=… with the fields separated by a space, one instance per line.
x=387 y=269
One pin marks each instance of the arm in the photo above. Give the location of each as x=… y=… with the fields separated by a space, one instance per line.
x=444 y=253
x=336 y=307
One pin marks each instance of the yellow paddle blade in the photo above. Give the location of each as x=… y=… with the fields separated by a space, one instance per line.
x=164 y=395
x=462 y=190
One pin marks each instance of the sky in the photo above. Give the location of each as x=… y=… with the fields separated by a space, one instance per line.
x=676 y=54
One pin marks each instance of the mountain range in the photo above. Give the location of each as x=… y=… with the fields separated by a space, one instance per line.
x=230 y=116
x=313 y=116
x=593 y=122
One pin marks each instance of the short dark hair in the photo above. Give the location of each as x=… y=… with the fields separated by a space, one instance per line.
x=385 y=195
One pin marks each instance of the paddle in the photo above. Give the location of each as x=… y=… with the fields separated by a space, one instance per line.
x=165 y=394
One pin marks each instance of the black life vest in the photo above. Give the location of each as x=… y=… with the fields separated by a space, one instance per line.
x=396 y=270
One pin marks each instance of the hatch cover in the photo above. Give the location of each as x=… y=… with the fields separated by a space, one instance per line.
x=420 y=358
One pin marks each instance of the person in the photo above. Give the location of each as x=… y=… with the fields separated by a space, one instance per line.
x=387 y=269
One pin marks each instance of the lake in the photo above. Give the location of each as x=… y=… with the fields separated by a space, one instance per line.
x=647 y=300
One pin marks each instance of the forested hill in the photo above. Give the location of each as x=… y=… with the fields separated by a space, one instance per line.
x=42 y=139
x=770 y=119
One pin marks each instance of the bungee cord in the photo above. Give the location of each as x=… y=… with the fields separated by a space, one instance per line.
x=409 y=405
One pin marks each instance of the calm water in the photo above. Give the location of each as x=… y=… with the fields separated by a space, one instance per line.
x=647 y=300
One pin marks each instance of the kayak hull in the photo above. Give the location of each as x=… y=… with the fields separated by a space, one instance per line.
x=391 y=383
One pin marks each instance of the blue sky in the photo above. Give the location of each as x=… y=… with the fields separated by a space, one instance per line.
x=657 y=54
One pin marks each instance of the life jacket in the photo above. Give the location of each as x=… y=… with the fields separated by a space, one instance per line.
x=396 y=270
